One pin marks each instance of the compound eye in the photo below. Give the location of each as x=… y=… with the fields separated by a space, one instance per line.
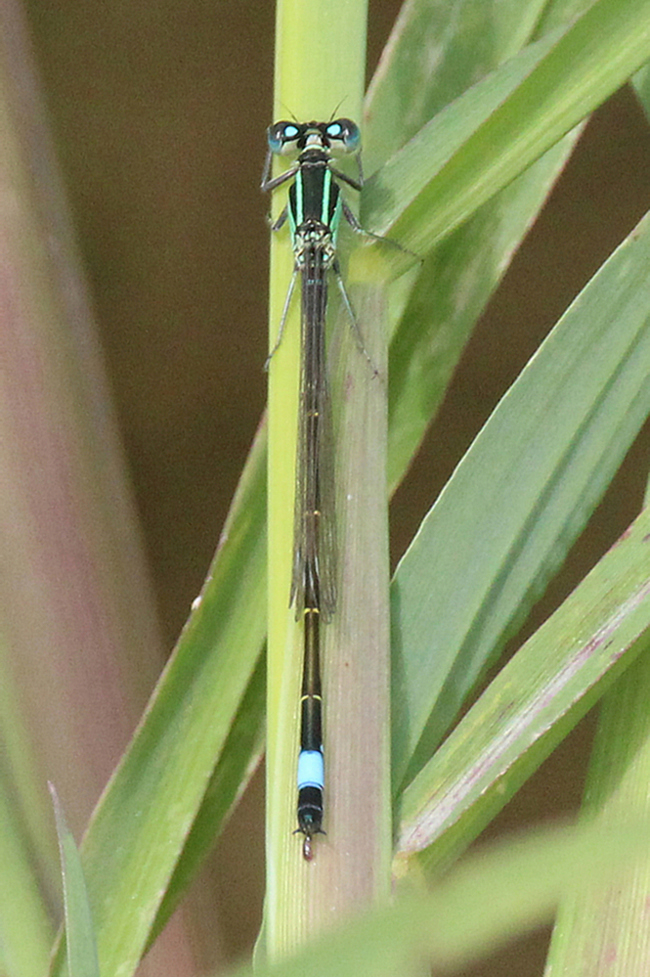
x=346 y=133
x=282 y=137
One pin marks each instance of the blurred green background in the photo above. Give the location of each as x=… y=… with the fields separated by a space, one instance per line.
x=158 y=111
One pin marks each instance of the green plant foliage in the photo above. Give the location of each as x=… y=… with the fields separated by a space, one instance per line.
x=79 y=930
x=475 y=108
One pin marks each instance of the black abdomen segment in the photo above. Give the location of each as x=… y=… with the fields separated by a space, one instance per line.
x=311 y=773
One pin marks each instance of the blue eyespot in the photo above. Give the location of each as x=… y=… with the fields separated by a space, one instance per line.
x=346 y=133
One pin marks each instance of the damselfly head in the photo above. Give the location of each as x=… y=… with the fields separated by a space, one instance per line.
x=339 y=136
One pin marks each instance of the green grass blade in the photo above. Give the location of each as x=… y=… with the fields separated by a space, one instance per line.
x=489 y=136
x=395 y=193
x=446 y=301
x=347 y=871
x=470 y=38
x=587 y=928
x=532 y=704
x=28 y=854
x=496 y=894
x=641 y=82
x=518 y=499
x=238 y=759
x=25 y=926
x=154 y=795
x=79 y=931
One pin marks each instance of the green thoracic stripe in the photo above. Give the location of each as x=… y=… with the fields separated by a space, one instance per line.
x=327 y=193
x=299 y=214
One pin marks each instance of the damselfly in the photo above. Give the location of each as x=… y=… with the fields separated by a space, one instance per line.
x=314 y=212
